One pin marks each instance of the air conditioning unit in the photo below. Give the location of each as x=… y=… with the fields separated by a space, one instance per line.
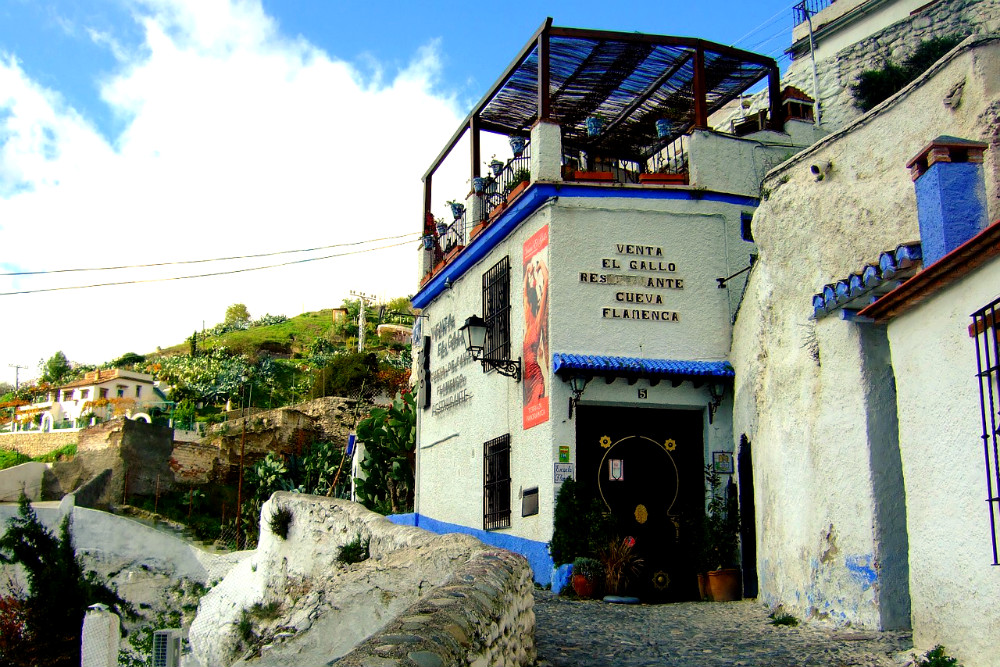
x=167 y=648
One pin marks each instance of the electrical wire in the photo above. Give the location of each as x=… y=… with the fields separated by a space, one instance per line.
x=202 y=261
x=207 y=275
x=766 y=23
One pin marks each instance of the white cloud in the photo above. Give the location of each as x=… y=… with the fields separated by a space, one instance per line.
x=236 y=140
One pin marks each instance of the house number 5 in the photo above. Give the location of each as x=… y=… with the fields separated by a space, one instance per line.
x=642 y=393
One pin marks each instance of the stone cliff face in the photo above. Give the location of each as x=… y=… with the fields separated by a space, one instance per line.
x=292 y=602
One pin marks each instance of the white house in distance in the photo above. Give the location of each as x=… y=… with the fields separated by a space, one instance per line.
x=616 y=268
x=99 y=392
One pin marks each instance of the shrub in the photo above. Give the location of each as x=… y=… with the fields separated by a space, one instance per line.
x=781 y=618
x=589 y=568
x=936 y=657
x=580 y=526
x=279 y=522
x=874 y=86
x=354 y=551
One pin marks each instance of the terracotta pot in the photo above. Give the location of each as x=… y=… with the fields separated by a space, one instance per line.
x=594 y=176
x=516 y=191
x=675 y=179
x=702 y=587
x=724 y=585
x=583 y=586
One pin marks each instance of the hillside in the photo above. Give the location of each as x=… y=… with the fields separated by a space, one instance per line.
x=293 y=336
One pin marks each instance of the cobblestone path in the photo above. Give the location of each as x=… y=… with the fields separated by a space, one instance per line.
x=698 y=634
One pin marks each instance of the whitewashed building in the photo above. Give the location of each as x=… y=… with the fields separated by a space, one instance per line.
x=874 y=476
x=617 y=267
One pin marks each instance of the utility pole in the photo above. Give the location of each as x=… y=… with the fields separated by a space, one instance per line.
x=812 y=55
x=364 y=299
x=17 y=375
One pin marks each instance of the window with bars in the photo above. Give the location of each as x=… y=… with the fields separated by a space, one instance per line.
x=984 y=330
x=496 y=312
x=496 y=483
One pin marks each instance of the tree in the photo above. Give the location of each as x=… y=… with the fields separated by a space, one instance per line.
x=351 y=375
x=59 y=591
x=6 y=388
x=237 y=314
x=128 y=359
x=55 y=368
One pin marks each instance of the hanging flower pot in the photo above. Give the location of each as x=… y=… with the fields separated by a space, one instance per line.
x=517 y=144
x=594 y=126
x=496 y=166
x=457 y=208
x=442 y=229
x=428 y=242
x=663 y=128
x=478 y=184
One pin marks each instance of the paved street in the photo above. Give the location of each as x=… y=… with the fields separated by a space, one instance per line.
x=703 y=634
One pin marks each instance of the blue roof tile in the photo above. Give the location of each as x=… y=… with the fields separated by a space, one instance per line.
x=564 y=364
x=862 y=288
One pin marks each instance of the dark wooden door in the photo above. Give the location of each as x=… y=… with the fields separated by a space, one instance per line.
x=646 y=467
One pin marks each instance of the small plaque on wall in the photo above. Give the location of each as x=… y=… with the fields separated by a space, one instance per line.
x=529 y=502
x=723 y=462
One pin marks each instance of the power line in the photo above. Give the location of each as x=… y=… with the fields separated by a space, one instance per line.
x=202 y=261
x=208 y=275
x=765 y=23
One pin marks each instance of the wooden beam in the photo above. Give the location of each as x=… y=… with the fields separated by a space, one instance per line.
x=653 y=87
x=474 y=145
x=544 y=99
x=700 y=103
x=494 y=89
x=777 y=112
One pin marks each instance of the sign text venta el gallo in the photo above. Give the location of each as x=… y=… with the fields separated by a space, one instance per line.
x=647 y=270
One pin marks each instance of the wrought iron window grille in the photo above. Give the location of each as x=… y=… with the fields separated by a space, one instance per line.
x=984 y=330
x=496 y=483
x=488 y=337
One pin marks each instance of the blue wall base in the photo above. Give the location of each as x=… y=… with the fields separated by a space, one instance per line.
x=537 y=553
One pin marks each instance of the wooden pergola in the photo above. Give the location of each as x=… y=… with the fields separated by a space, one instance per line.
x=629 y=80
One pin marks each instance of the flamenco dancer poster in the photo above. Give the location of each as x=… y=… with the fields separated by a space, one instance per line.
x=536 y=329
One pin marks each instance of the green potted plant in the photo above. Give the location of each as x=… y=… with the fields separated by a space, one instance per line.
x=722 y=529
x=620 y=564
x=518 y=181
x=588 y=575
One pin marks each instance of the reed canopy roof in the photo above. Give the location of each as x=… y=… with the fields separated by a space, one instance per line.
x=627 y=80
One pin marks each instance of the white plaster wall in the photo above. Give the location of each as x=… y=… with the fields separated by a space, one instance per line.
x=450 y=445
x=872 y=17
x=802 y=416
x=953 y=584
x=725 y=163
x=700 y=236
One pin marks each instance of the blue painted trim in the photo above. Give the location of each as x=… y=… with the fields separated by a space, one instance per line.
x=531 y=200
x=537 y=553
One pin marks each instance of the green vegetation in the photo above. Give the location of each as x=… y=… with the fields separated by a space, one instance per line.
x=280 y=521
x=354 y=551
x=722 y=522
x=55 y=369
x=46 y=623
x=874 y=86
x=781 y=618
x=9 y=459
x=580 y=526
x=390 y=457
x=936 y=657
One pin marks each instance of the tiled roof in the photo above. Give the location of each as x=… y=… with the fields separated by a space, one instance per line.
x=874 y=280
x=565 y=364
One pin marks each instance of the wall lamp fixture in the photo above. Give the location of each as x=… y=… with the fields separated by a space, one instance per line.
x=716 y=390
x=474 y=331
x=577 y=384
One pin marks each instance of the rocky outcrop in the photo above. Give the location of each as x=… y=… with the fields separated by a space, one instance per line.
x=293 y=602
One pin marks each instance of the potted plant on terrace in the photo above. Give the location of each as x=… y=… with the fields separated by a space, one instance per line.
x=722 y=528
x=457 y=208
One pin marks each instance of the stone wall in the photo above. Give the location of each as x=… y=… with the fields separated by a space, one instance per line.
x=894 y=43
x=481 y=616
x=37 y=444
x=413 y=580
x=194 y=462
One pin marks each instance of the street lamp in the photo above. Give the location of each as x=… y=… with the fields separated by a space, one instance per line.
x=716 y=390
x=474 y=331
x=577 y=384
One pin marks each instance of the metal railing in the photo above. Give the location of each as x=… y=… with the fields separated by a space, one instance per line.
x=984 y=329
x=672 y=158
x=807 y=8
x=498 y=186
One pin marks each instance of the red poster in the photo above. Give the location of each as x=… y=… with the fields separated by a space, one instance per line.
x=536 y=329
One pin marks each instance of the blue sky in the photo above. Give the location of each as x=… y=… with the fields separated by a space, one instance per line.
x=54 y=40
x=149 y=131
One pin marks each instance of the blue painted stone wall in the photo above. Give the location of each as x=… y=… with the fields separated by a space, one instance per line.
x=537 y=553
